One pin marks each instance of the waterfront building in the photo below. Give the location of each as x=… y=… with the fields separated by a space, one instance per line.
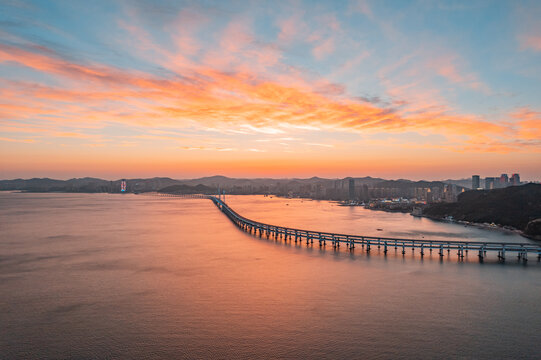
x=475 y=182
x=504 y=180
x=450 y=193
x=365 y=194
x=489 y=183
x=515 y=179
x=351 y=189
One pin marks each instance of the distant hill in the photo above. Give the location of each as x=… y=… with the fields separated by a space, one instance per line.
x=402 y=183
x=465 y=183
x=51 y=185
x=187 y=189
x=514 y=206
x=232 y=185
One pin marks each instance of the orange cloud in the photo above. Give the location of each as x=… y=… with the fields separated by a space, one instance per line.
x=529 y=122
x=244 y=101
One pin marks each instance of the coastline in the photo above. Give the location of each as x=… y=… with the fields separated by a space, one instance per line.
x=484 y=226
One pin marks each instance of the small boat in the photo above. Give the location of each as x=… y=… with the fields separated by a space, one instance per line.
x=379 y=229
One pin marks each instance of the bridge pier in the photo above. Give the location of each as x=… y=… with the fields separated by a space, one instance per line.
x=349 y=243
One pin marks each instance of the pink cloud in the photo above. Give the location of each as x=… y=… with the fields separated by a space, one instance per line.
x=447 y=67
x=531 y=42
x=324 y=48
x=362 y=7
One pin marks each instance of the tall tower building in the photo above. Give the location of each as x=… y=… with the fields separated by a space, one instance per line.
x=515 y=179
x=504 y=180
x=475 y=182
x=351 y=189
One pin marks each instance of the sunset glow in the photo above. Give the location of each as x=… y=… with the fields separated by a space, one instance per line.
x=349 y=88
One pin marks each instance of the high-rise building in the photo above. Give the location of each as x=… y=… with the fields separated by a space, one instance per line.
x=351 y=188
x=515 y=179
x=475 y=182
x=123 y=185
x=450 y=193
x=504 y=180
x=365 y=193
x=489 y=183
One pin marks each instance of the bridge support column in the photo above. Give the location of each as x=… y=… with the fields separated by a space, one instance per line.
x=422 y=250
x=441 y=250
x=403 y=249
x=385 y=247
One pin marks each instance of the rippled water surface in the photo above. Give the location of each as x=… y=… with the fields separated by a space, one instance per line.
x=133 y=276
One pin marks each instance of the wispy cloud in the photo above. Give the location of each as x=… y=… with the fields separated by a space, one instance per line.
x=216 y=80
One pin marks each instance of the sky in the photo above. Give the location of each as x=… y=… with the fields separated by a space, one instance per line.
x=395 y=89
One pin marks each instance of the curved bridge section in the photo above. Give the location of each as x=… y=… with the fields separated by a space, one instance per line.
x=521 y=250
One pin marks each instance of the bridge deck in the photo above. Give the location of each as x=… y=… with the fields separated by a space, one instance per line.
x=520 y=249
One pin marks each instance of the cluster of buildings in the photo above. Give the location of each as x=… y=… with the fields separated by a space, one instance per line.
x=495 y=182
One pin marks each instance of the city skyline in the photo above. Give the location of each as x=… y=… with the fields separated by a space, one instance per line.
x=417 y=90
